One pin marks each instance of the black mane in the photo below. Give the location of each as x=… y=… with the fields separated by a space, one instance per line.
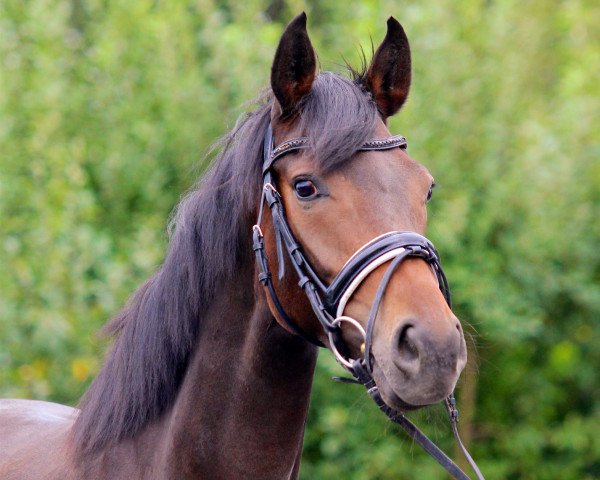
x=156 y=331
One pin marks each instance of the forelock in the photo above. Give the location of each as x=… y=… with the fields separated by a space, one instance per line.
x=337 y=116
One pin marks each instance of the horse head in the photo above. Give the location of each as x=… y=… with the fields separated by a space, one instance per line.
x=333 y=203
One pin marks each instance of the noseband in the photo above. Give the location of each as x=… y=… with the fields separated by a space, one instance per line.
x=329 y=301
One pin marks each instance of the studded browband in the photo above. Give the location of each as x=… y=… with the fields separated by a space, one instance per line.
x=304 y=142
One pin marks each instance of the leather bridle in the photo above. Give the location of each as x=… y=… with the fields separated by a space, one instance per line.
x=328 y=301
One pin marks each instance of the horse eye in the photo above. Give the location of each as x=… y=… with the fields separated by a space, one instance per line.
x=430 y=192
x=305 y=189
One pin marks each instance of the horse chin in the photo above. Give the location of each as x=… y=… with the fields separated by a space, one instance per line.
x=391 y=398
x=397 y=396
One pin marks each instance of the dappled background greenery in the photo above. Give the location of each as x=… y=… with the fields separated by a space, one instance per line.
x=107 y=108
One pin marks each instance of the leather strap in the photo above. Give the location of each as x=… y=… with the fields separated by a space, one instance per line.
x=368 y=253
x=264 y=277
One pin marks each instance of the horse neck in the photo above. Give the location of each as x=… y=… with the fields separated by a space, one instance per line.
x=244 y=400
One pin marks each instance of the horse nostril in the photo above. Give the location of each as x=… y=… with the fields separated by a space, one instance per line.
x=407 y=349
x=459 y=329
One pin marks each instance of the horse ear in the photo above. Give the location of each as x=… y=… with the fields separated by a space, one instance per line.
x=294 y=66
x=388 y=77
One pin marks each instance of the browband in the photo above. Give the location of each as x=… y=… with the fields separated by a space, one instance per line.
x=304 y=142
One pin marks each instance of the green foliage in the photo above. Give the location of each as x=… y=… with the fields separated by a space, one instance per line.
x=106 y=109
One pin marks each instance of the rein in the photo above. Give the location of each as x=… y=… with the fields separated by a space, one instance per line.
x=328 y=302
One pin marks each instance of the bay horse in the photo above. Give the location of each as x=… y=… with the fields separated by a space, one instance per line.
x=211 y=369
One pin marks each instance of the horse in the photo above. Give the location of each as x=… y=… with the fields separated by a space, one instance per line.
x=210 y=372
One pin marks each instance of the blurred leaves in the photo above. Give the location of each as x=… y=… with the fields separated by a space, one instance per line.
x=106 y=109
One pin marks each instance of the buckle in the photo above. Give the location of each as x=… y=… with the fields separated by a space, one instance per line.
x=256 y=229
